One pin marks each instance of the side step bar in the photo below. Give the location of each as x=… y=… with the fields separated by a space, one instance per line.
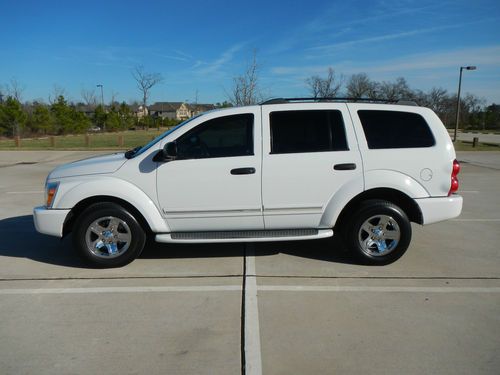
x=244 y=236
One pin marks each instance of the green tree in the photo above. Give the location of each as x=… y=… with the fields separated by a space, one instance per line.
x=40 y=119
x=80 y=122
x=127 y=117
x=12 y=117
x=62 y=115
x=113 y=120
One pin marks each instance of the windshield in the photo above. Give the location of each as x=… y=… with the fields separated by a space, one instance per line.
x=139 y=150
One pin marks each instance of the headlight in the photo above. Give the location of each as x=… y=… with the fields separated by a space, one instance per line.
x=50 y=193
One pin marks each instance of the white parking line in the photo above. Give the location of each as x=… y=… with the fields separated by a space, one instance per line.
x=479 y=220
x=128 y=289
x=252 y=336
x=377 y=289
x=253 y=360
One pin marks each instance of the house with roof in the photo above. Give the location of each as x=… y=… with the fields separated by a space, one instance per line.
x=177 y=110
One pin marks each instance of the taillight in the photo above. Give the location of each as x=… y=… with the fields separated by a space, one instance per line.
x=454 y=180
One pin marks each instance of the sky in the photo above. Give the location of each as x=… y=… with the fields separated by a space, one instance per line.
x=200 y=46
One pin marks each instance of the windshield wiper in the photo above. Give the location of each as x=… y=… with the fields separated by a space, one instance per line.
x=130 y=153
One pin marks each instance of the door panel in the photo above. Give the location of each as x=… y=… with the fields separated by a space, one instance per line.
x=201 y=192
x=297 y=181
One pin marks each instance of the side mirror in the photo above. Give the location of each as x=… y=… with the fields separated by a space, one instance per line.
x=167 y=153
x=170 y=150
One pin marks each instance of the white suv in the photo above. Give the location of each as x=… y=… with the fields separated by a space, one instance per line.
x=283 y=170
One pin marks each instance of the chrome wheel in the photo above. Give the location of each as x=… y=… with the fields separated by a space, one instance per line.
x=108 y=237
x=379 y=235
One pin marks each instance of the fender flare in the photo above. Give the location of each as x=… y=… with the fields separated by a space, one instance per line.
x=374 y=179
x=116 y=188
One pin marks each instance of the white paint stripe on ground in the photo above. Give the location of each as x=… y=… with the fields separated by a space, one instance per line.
x=127 y=289
x=377 y=289
x=253 y=360
x=25 y=192
x=251 y=313
x=478 y=220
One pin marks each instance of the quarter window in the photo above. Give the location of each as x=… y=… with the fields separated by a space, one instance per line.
x=220 y=137
x=307 y=131
x=393 y=129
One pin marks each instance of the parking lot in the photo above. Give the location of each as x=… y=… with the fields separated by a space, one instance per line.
x=272 y=308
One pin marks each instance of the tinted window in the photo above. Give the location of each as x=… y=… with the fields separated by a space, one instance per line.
x=220 y=137
x=307 y=131
x=391 y=129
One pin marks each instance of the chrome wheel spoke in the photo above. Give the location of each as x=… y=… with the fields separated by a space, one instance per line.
x=114 y=223
x=104 y=235
x=98 y=244
x=367 y=243
x=384 y=221
x=379 y=235
x=123 y=237
x=96 y=228
x=112 y=248
x=381 y=246
x=391 y=235
x=367 y=227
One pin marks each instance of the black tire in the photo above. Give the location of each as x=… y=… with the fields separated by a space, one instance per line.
x=378 y=232
x=106 y=235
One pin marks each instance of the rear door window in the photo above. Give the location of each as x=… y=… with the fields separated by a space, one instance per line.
x=393 y=129
x=307 y=131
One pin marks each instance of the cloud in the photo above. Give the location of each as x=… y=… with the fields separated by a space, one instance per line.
x=222 y=60
x=381 y=38
x=480 y=56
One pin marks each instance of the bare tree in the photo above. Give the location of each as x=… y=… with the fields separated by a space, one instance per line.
x=15 y=89
x=395 y=90
x=114 y=97
x=145 y=81
x=360 y=86
x=325 y=87
x=57 y=91
x=245 y=89
x=89 y=97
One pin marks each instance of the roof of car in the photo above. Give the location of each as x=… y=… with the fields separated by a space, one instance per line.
x=337 y=100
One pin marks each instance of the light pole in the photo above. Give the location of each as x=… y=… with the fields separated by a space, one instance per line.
x=458 y=98
x=102 y=103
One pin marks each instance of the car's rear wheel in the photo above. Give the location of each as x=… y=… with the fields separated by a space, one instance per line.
x=107 y=235
x=378 y=232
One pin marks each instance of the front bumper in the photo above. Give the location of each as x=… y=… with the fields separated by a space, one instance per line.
x=49 y=221
x=439 y=209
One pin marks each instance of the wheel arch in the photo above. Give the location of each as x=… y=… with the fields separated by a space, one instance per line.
x=400 y=199
x=108 y=189
x=81 y=206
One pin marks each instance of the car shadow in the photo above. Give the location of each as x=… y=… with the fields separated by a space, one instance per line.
x=21 y=240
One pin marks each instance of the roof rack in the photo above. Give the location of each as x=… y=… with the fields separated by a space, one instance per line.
x=354 y=100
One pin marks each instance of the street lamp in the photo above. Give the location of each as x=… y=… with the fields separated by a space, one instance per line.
x=102 y=103
x=458 y=98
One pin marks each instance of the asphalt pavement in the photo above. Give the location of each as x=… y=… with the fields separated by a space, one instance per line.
x=272 y=308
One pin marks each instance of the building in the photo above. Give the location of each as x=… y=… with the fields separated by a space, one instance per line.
x=177 y=110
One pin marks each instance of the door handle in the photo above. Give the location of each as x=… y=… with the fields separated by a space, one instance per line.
x=239 y=171
x=344 y=167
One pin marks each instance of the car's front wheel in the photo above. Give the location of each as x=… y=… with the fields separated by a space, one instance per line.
x=378 y=232
x=107 y=235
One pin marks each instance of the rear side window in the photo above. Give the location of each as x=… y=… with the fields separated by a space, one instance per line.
x=392 y=129
x=307 y=131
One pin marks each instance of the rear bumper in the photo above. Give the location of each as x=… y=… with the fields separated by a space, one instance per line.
x=439 y=209
x=49 y=221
